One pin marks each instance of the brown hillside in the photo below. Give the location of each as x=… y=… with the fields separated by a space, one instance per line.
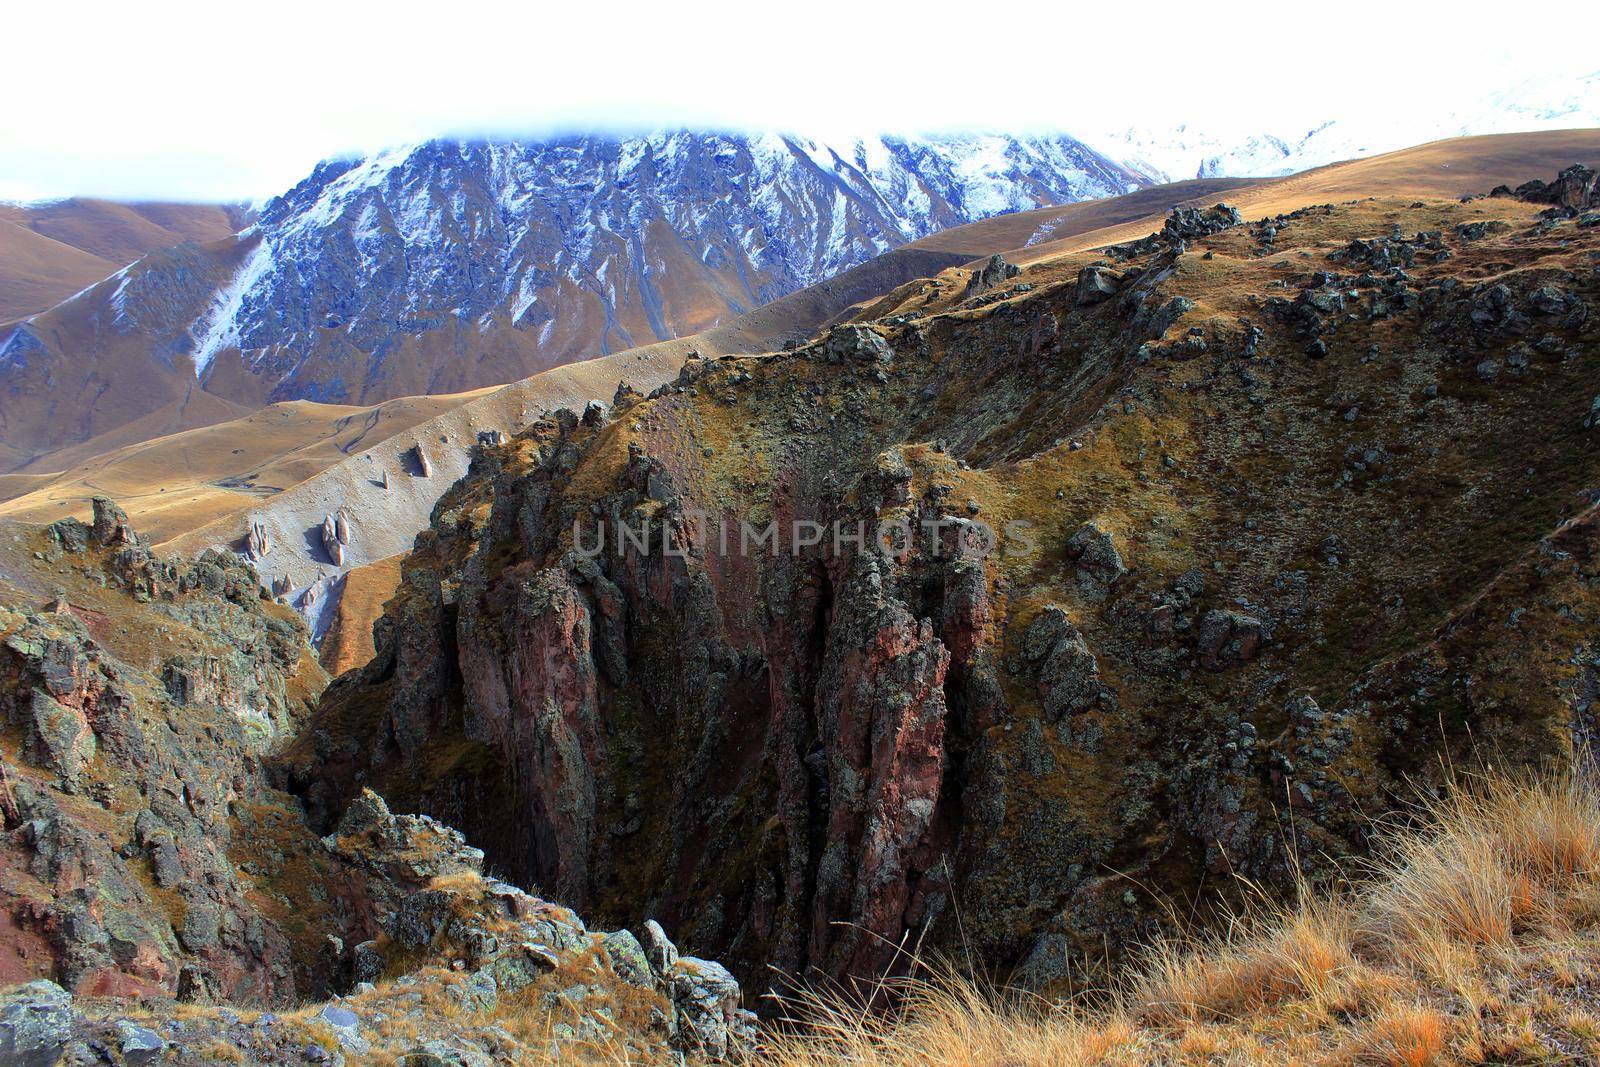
x=171 y=485
x=51 y=250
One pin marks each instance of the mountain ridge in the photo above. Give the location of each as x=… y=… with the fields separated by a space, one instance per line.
x=452 y=265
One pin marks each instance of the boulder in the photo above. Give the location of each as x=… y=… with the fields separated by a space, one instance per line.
x=330 y=541
x=139 y=1045
x=1069 y=675
x=707 y=1018
x=659 y=950
x=1094 y=550
x=36 y=1022
x=628 y=959
x=855 y=344
x=111 y=527
x=1226 y=638
x=1096 y=284
x=994 y=271
x=258 y=542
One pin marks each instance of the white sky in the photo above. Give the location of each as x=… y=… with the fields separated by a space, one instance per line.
x=225 y=100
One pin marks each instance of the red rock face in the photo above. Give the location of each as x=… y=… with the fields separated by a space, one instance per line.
x=754 y=741
x=881 y=713
x=534 y=695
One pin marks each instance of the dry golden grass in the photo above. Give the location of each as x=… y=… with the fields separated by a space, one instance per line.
x=1469 y=941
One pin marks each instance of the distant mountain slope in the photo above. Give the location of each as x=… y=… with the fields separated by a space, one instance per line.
x=449 y=266
x=50 y=250
x=1200 y=150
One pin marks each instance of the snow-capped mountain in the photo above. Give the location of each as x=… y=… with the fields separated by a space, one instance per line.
x=452 y=265
x=403 y=272
x=1200 y=150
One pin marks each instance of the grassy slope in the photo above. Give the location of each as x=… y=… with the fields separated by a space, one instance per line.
x=1472 y=940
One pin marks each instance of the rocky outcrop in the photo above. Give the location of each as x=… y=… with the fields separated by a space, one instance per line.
x=146 y=857
x=122 y=771
x=1095 y=284
x=1575 y=190
x=490 y=953
x=258 y=542
x=335 y=535
x=994 y=272
x=1008 y=602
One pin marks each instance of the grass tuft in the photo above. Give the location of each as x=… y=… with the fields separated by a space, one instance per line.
x=1466 y=943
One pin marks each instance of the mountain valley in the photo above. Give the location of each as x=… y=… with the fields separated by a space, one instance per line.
x=427 y=608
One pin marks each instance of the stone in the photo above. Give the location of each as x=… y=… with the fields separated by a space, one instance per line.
x=855 y=344
x=70 y=534
x=659 y=950
x=366 y=962
x=424 y=468
x=258 y=543
x=1577 y=188
x=1095 y=552
x=139 y=1045
x=335 y=536
x=1228 y=637
x=195 y=986
x=521 y=967
x=346 y=1026
x=110 y=527
x=1096 y=284
x=628 y=958
x=1069 y=680
x=706 y=1014
x=995 y=271
x=61 y=738
x=1548 y=300
x=36 y=1023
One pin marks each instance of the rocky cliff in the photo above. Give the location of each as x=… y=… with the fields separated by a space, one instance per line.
x=1000 y=620
x=147 y=858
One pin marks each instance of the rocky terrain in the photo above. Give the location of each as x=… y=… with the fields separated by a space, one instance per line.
x=163 y=901
x=205 y=488
x=1220 y=538
x=1007 y=619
